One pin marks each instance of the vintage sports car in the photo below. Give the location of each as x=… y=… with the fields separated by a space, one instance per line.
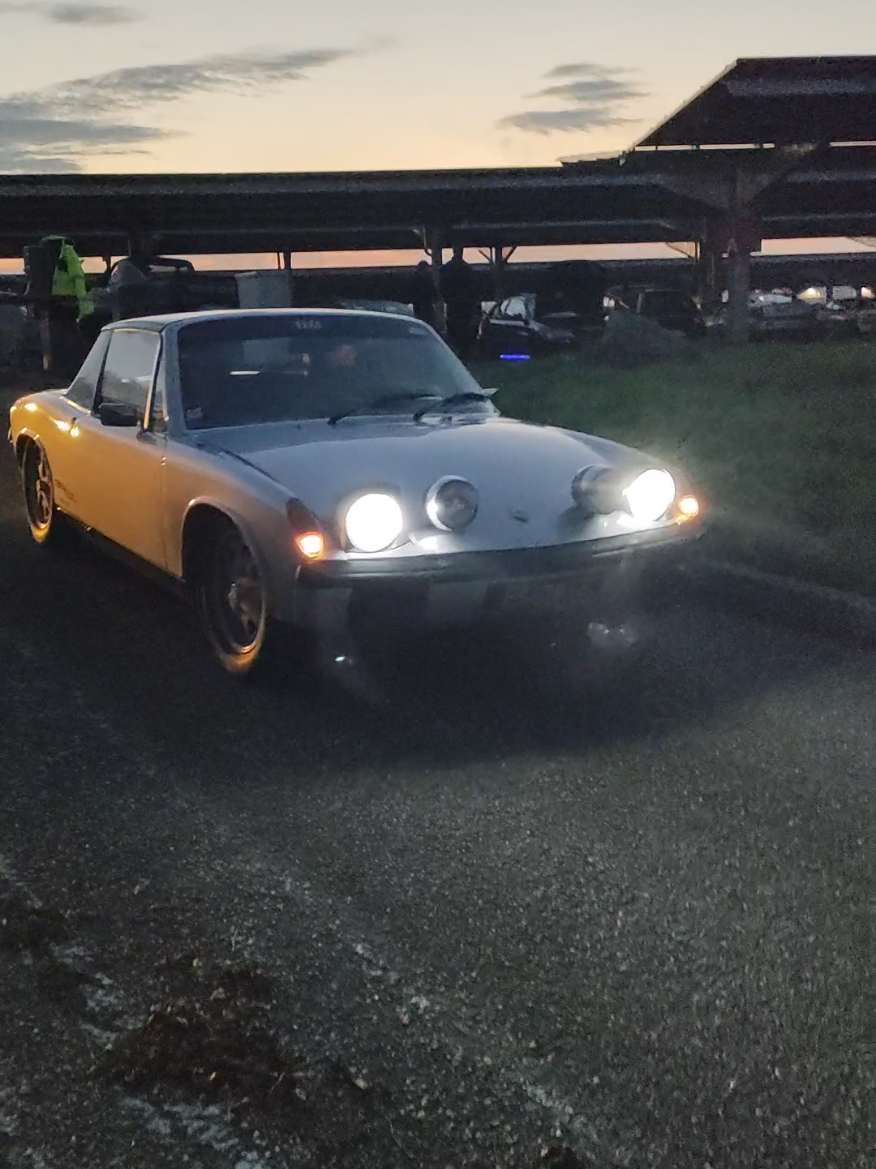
x=302 y=466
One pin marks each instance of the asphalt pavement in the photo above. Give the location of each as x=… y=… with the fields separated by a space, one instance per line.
x=506 y=915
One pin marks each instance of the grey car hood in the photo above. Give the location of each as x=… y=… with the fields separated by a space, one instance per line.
x=324 y=463
x=523 y=473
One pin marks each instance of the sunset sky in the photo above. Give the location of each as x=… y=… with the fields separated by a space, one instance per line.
x=217 y=85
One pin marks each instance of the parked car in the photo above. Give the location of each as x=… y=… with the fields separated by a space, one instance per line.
x=509 y=329
x=773 y=316
x=170 y=284
x=671 y=309
x=300 y=465
x=395 y=307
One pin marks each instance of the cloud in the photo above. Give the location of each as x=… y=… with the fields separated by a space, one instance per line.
x=89 y=15
x=56 y=127
x=134 y=87
x=589 y=97
x=92 y=14
x=571 y=70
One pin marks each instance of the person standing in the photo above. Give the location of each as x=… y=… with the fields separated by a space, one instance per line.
x=425 y=296
x=458 y=286
x=66 y=313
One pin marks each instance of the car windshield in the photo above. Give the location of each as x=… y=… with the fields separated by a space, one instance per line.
x=246 y=369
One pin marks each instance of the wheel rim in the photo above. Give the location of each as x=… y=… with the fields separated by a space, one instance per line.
x=236 y=597
x=39 y=490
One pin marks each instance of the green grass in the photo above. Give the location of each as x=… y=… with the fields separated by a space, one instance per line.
x=779 y=438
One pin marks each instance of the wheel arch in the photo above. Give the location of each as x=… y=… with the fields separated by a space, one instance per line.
x=201 y=518
x=25 y=439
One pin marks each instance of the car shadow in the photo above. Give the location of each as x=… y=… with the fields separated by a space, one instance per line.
x=506 y=687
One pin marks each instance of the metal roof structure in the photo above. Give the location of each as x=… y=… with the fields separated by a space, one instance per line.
x=628 y=200
x=326 y=212
x=823 y=192
x=807 y=184
x=778 y=101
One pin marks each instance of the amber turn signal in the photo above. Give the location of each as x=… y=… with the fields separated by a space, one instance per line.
x=688 y=507
x=310 y=544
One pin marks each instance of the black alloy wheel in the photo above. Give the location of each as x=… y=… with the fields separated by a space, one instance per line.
x=232 y=601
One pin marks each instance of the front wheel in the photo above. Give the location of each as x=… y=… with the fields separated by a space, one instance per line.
x=38 y=485
x=232 y=601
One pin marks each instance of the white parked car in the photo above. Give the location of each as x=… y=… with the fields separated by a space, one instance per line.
x=287 y=465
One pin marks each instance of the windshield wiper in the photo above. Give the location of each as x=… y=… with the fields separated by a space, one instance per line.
x=386 y=400
x=455 y=399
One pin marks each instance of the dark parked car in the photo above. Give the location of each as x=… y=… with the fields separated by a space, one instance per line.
x=171 y=285
x=670 y=308
x=510 y=330
x=791 y=318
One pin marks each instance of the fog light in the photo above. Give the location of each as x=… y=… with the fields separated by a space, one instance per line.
x=452 y=504
x=597 y=491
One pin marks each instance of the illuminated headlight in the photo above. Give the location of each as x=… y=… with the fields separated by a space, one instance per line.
x=452 y=504
x=373 y=522
x=650 y=496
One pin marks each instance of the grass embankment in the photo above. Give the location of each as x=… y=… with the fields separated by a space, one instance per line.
x=779 y=438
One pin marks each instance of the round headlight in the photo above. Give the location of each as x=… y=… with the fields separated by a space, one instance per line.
x=452 y=504
x=373 y=522
x=596 y=490
x=650 y=496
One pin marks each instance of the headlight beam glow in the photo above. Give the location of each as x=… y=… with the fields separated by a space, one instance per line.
x=373 y=522
x=650 y=495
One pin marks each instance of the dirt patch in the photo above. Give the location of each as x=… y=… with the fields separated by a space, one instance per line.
x=24 y=926
x=210 y=1043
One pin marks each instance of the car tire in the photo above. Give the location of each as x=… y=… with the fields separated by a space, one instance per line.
x=48 y=526
x=231 y=600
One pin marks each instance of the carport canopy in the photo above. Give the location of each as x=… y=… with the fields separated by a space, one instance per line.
x=778 y=101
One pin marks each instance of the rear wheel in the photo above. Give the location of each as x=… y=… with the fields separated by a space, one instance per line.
x=231 y=600
x=43 y=518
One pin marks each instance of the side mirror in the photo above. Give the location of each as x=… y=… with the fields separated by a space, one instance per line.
x=118 y=414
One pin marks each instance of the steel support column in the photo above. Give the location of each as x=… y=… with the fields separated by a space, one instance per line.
x=739 y=289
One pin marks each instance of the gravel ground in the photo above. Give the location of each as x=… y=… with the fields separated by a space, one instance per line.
x=504 y=915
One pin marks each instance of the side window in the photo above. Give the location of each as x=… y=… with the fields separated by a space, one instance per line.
x=130 y=365
x=158 y=410
x=84 y=385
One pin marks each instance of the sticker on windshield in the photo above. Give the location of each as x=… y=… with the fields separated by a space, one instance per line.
x=310 y=324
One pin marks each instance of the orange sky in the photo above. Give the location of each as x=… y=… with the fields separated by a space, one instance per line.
x=354 y=259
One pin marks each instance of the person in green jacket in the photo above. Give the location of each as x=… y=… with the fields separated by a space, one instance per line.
x=69 y=278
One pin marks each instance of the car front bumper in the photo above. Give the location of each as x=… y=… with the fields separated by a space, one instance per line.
x=571 y=559
x=606 y=574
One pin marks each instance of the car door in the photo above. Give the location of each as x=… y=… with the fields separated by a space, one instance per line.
x=60 y=435
x=119 y=475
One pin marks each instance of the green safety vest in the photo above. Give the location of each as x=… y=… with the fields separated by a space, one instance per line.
x=69 y=278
